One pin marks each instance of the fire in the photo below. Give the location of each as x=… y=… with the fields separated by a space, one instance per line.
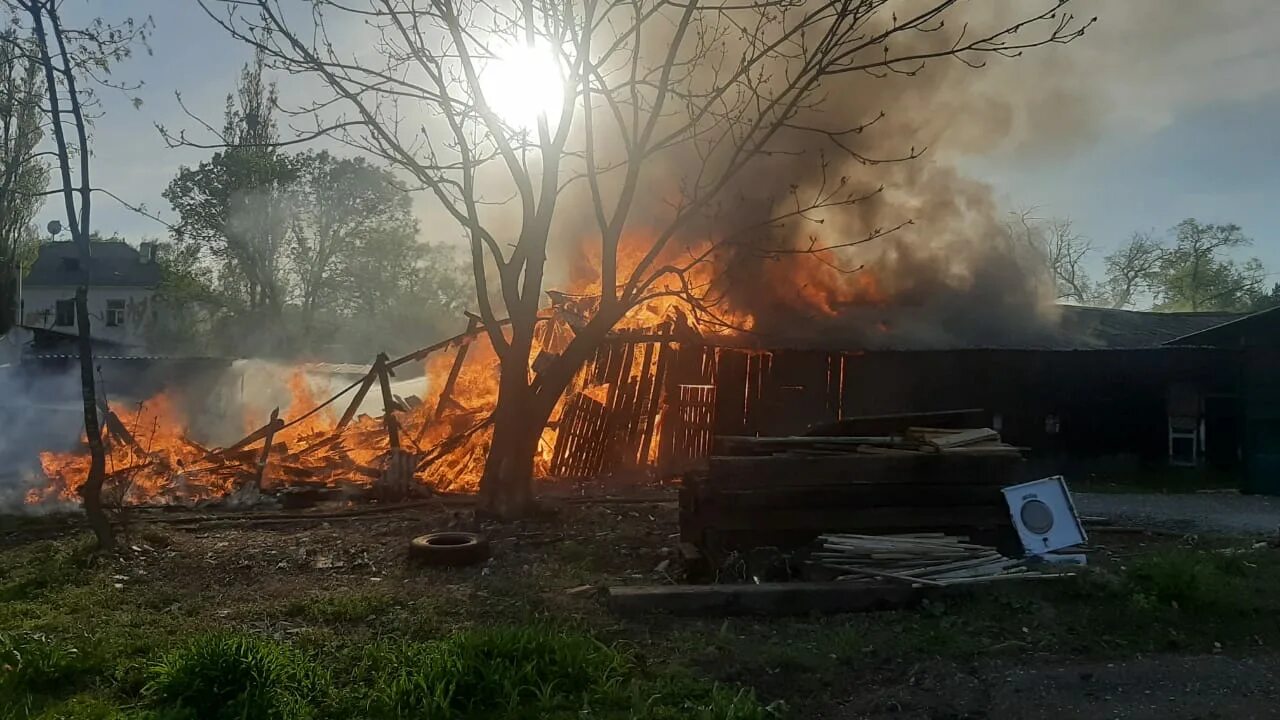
x=150 y=458
x=147 y=455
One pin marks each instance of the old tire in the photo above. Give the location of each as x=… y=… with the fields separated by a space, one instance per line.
x=451 y=548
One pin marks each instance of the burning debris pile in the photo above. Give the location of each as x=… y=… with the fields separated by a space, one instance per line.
x=151 y=458
x=326 y=447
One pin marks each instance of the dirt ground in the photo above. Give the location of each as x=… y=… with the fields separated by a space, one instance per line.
x=1035 y=653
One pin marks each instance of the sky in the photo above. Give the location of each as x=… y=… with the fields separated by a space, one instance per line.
x=1184 y=107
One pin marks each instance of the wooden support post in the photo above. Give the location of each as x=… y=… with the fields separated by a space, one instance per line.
x=388 y=402
x=271 y=426
x=446 y=393
x=354 y=407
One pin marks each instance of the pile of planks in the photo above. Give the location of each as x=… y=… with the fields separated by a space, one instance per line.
x=930 y=559
x=914 y=441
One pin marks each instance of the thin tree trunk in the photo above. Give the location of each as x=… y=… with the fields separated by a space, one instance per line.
x=91 y=490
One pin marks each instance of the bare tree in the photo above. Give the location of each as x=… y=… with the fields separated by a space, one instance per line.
x=67 y=56
x=1131 y=269
x=685 y=93
x=1063 y=250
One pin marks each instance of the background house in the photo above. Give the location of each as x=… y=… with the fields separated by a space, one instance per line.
x=122 y=289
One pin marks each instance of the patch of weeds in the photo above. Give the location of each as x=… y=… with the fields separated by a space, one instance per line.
x=33 y=665
x=238 y=677
x=1194 y=580
x=676 y=696
x=25 y=574
x=345 y=607
x=90 y=707
x=489 y=672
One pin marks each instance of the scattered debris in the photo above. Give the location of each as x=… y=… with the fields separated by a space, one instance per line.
x=930 y=559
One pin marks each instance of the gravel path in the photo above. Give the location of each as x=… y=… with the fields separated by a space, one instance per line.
x=1202 y=687
x=1210 y=513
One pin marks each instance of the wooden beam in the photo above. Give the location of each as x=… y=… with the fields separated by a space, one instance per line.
x=266 y=449
x=266 y=431
x=354 y=407
x=446 y=392
x=388 y=402
x=741 y=473
x=773 y=599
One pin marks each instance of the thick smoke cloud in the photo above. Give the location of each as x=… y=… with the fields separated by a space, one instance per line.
x=954 y=276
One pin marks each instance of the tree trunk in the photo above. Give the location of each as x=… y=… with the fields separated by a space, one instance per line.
x=91 y=490
x=8 y=296
x=521 y=414
x=78 y=220
x=506 y=487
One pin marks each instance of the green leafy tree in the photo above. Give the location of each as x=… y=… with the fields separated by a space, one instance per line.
x=24 y=175
x=1267 y=300
x=351 y=236
x=236 y=207
x=1133 y=270
x=1195 y=275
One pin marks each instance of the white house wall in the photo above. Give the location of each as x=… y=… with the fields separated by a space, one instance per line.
x=39 y=309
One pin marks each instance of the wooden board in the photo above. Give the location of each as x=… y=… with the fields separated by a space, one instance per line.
x=776 y=599
x=964 y=438
x=863 y=495
x=738 y=473
x=864 y=520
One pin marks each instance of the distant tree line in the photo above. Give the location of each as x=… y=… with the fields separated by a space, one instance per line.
x=306 y=253
x=1189 y=270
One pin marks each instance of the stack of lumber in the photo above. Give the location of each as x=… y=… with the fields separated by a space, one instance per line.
x=914 y=441
x=930 y=559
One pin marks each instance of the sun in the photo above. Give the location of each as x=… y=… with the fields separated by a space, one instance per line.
x=522 y=83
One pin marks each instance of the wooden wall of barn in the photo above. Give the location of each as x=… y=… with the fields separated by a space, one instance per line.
x=1100 y=402
x=666 y=399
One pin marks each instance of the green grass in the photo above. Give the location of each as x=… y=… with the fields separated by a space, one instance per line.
x=340 y=607
x=74 y=646
x=25 y=575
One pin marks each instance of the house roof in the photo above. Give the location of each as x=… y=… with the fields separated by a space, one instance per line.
x=1067 y=328
x=1262 y=327
x=1083 y=328
x=114 y=264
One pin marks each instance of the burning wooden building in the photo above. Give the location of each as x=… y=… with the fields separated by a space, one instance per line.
x=1179 y=388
